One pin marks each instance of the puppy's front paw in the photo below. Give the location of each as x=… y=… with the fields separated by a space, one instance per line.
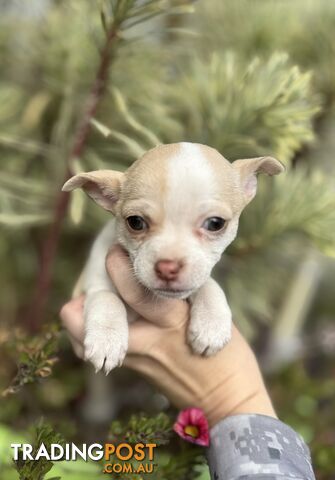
x=105 y=348
x=208 y=338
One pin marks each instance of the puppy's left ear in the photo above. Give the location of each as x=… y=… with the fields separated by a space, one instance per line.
x=249 y=168
x=104 y=186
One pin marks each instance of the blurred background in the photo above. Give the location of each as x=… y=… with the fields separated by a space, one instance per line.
x=87 y=85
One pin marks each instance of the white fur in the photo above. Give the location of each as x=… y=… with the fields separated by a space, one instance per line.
x=192 y=192
x=210 y=324
x=106 y=330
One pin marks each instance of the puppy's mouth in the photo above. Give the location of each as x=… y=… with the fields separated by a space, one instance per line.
x=172 y=292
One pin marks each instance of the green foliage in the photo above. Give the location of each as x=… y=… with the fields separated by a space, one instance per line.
x=244 y=108
x=175 y=458
x=43 y=432
x=141 y=428
x=36 y=357
x=178 y=460
x=290 y=219
x=284 y=207
x=187 y=464
x=36 y=470
x=302 y=28
x=305 y=393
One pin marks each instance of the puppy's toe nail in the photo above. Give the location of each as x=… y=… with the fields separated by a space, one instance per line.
x=110 y=365
x=96 y=368
x=206 y=352
x=120 y=362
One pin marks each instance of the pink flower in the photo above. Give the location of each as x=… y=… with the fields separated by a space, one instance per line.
x=192 y=426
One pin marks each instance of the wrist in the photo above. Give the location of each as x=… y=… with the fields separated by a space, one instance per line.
x=257 y=403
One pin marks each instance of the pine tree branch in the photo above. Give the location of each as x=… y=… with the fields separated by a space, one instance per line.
x=36 y=309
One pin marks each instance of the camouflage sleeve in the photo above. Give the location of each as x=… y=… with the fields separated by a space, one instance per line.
x=257 y=447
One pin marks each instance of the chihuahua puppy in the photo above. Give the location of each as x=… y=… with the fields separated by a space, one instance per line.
x=176 y=210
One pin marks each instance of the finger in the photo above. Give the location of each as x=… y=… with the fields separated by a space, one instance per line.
x=142 y=336
x=72 y=318
x=165 y=311
x=77 y=347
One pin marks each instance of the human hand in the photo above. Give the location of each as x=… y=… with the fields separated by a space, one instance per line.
x=228 y=383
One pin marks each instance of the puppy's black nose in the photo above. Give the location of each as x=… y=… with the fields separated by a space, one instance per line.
x=168 y=269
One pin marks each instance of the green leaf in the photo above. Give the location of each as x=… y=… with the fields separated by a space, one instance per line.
x=131 y=121
x=132 y=146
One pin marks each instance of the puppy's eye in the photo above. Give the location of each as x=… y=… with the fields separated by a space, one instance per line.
x=214 y=224
x=135 y=222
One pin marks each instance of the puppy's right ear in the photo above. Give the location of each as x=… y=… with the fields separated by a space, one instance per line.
x=104 y=186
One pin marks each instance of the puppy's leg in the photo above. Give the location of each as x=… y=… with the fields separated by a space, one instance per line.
x=210 y=324
x=106 y=339
x=106 y=326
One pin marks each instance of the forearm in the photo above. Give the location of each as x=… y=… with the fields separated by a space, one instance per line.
x=257 y=447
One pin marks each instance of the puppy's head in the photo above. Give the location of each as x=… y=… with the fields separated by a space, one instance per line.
x=177 y=209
